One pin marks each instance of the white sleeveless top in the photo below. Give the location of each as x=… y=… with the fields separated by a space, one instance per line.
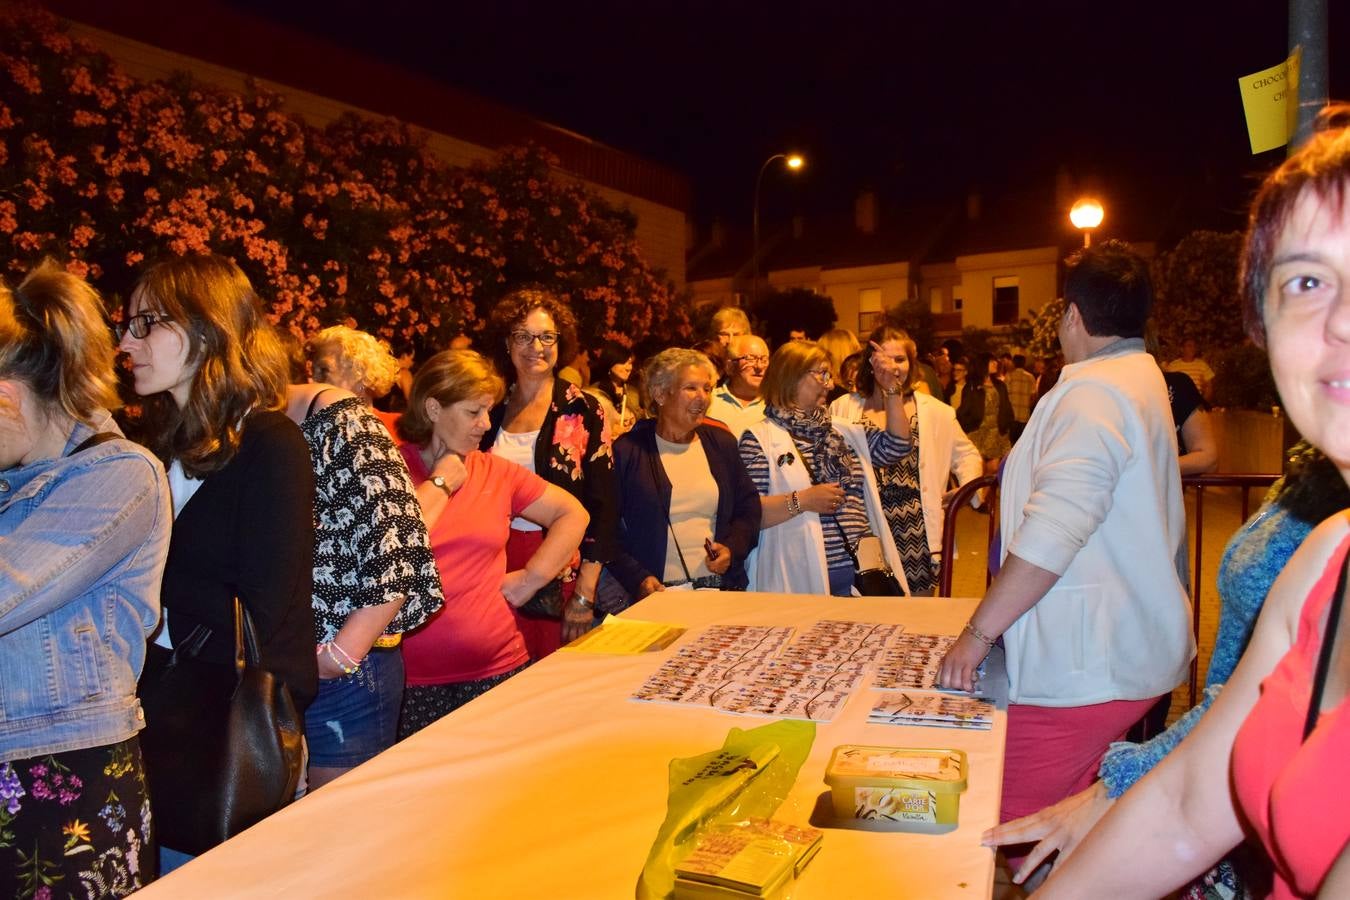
x=518 y=447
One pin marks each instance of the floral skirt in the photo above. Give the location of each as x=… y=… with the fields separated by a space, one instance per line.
x=75 y=824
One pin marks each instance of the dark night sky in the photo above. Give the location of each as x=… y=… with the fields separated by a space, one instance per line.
x=918 y=102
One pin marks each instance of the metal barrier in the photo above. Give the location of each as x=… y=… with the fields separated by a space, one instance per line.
x=959 y=501
x=1244 y=480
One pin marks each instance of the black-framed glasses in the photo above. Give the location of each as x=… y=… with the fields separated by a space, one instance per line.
x=523 y=338
x=752 y=360
x=140 y=324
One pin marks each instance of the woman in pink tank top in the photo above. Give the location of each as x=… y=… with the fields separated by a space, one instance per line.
x=1259 y=763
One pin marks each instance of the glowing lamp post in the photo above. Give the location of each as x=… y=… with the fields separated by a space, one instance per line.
x=1086 y=214
x=794 y=162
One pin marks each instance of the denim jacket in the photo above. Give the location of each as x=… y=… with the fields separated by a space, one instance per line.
x=83 y=540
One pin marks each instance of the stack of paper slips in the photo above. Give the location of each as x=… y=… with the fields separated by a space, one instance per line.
x=936 y=710
x=758 y=858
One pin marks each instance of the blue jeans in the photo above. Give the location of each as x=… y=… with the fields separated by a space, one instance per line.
x=841 y=582
x=355 y=717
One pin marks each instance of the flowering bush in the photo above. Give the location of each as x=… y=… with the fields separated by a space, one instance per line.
x=355 y=223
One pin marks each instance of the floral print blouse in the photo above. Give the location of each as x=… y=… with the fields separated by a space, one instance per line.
x=370 y=545
x=573 y=452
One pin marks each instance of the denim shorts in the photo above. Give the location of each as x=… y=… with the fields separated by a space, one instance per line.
x=356 y=716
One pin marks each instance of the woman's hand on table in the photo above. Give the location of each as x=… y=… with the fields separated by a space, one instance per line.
x=719 y=557
x=824 y=499
x=1060 y=827
x=957 y=671
x=650 y=585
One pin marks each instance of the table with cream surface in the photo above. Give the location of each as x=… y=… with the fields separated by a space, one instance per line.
x=554 y=785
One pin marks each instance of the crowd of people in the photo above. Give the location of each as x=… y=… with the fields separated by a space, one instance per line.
x=396 y=563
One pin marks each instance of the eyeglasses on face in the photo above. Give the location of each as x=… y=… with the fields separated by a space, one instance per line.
x=140 y=324
x=822 y=375
x=523 y=338
x=751 y=360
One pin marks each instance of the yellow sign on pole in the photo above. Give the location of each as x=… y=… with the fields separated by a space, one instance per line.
x=1270 y=100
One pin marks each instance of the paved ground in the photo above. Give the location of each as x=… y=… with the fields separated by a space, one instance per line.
x=1222 y=516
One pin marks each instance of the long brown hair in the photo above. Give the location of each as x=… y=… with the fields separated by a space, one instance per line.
x=241 y=365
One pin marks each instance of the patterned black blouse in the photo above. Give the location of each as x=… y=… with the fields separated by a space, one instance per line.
x=370 y=545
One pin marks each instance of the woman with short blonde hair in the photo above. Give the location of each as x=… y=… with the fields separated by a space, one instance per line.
x=688 y=511
x=815 y=478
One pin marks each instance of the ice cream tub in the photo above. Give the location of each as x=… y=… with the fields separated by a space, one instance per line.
x=905 y=789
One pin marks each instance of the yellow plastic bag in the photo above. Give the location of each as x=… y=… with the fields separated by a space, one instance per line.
x=749 y=777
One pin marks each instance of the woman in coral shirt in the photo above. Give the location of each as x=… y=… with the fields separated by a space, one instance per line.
x=468 y=499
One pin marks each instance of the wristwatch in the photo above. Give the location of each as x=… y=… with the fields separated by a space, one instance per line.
x=581 y=600
x=440 y=483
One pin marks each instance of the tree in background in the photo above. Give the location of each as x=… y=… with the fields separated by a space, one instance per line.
x=356 y=223
x=778 y=313
x=1196 y=285
x=1044 y=341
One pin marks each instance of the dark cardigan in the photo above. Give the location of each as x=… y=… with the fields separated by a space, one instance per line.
x=644 y=505
x=249 y=529
x=587 y=475
x=971 y=411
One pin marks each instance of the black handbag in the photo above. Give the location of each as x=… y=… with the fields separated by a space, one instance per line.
x=547 y=602
x=222 y=743
x=876 y=580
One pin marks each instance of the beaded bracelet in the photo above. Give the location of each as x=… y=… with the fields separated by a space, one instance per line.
x=979 y=635
x=794 y=505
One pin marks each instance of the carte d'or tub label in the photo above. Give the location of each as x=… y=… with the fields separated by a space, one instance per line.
x=895 y=804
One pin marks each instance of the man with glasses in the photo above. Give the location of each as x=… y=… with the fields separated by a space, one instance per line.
x=737 y=403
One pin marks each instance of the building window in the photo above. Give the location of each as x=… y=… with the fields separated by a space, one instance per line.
x=1007 y=303
x=869 y=309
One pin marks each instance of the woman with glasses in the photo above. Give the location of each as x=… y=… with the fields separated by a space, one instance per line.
x=559 y=432
x=912 y=490
x=84 y=529
x=818 y=494
x=212 y=376
x=689 y=513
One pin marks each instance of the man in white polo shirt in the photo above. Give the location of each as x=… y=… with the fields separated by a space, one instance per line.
x=737 y=404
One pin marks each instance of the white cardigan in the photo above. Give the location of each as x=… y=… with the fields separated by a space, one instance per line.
x=1092 y=491
x=790 y=558
x=944 y=450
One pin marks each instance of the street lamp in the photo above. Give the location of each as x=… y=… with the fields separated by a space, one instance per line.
x=794 y=162
x=1086 y=214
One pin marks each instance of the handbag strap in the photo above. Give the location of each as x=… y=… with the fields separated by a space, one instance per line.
x=666 y=509
x=1324 y=655
x=848 y=548
x=94 y=440
x=246 y=651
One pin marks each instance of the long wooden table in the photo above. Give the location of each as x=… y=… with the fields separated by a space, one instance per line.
x=554 y=784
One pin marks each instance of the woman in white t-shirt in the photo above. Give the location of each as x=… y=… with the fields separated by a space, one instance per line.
x=688 y=511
